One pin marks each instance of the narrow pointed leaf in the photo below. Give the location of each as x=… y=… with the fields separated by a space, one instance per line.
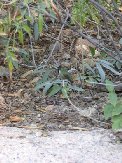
x=27 y=29
x=92 y=50
x=40 y=22
x=64 y=92
x=110 y=68
x=55 y=89
x=36 y=31
x=20 y=37
x=47 y=87
x=101 y=72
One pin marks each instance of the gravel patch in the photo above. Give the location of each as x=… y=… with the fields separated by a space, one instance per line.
x=33 y=146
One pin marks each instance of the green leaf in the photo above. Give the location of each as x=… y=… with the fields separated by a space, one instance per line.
x=101 y=72
x=75 y=88
x=88 y=67
x=64 y=92
x=10 y=66
x=40 y=22
x=40 y=84
x=11 y=59
x=110 y=68
x=118 y=65
x=29 y=18
x=55 y=89
x=15 y=63
x=65 y=74
x=108 y=109
x=58 y=81
x=117 y=122
x=27 y=29
x=113 y=98
x=36 y=31
x=25 y=2
x=46 y=75
x=19 y=17
x=13 y=1
x=47 y=87
x=118 y=109
x=92 y=50
x=24 y=54
x=53 y=17
x=103 y=54
x=105 y=62
x=20 y=37
x=109 y=86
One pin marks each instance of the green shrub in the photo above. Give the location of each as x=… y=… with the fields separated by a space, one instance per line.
x=113 y=109
x=20 y=21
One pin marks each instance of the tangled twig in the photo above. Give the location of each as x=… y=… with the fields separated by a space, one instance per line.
x=58 y=38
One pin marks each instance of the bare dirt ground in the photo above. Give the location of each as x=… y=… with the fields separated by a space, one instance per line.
x=27 y=108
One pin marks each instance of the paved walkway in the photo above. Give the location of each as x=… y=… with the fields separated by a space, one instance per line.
x=27 y=146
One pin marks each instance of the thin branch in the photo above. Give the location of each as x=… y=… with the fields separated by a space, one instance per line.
x=104 y=84
x=31 y=44
x=32 y=53
x=117 y=9
x=56 y=43
x=101 y=8
x=109 y=33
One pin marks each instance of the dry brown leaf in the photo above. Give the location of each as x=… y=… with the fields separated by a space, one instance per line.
x=79 y=128
x=120 y=9
x=34 y=80
x=67 y=32
x=45 y=109
x=2 y=103
x=17 y=111
x=27 y=73
x=15 y=118
x=3 y=34
x=41 y=109
x=68 y=3
x=2 y=100
x=82 y=48
x=55 y=9
x=23 y=79
x=82 y=45
x=26 y=96
x=16 y=94
x=49 y=107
